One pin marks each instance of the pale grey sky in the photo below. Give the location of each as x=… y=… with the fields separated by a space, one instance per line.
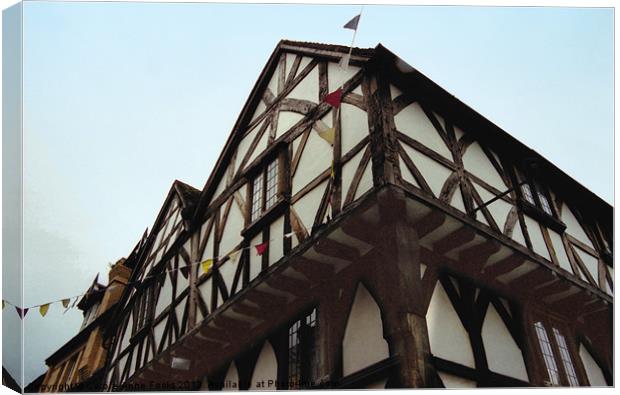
x=120 y=99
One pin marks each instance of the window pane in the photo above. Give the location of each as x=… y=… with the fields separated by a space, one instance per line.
x=271 y=195
x=302 y=352
x=257 y=197
x=527 y=193
x=566 y=359
x=545 y=203
x=545 y=347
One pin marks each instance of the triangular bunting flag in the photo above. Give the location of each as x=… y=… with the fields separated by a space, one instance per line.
x=333 y=99
x=3 y=304
x=21 y=312
x=43 y=309
x=352 y=24
x=332 y=173
x=291 y=234
x=65 y=303
x=328 y=135
x=233 y=255
x=206 y=265
x=261 y=248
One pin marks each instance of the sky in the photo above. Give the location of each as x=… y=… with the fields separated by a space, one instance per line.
x=121 y=99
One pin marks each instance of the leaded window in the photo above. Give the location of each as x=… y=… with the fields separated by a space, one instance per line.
x=547 y=352
x=302 y=352
x=265 y=190
x=567 y=362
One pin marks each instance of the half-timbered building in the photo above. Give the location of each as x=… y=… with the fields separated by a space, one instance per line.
x=396 y=238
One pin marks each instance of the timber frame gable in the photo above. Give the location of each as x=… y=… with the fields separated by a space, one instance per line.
x=416 y=192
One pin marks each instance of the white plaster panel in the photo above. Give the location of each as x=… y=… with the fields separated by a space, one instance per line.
x=260 y=148
x=517 y=234
x=231 y=381
x=307 y=207
x=231 y=236
x=337 y=75
x=406 y=174
x=499 y=209
x=593 y=371
x=208 y=251
x=413 y=122
x=366 y=182
x=452 y=381
x=255 y=259
x=477 y=163
x=315 y=159
x=591 y=262
x=308 y=88
x=457 y=200
x=246 y=142
x=290 y=59
x=448 y=338
x=536 y=237
x=363 y=342
x=503 y=354
x=276 y=243
x=265 y=370
x=573 y=227
x=165 y=296
x=273 y=82
x=433 y=172
x=348 y=171
x=560 y=251
x=305 y=61
x=227 y=270
x=205 y=292
x=286 y=120
x=260 y=108
x=158 y=332
x=354 y=126
x=395 y=92
x=179 y=309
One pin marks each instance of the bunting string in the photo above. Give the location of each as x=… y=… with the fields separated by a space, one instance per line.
x=206 y=265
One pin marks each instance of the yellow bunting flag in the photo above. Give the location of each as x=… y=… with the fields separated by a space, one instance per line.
x=65 y=303
x=43 y=309
x=332 y=174
x=206 y=265
x=328 y=135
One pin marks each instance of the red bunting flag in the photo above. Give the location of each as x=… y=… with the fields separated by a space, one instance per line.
x=21 y=312
x=261 y=248
x=333 y=99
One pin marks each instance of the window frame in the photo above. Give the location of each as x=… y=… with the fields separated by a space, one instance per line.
x=308 y=345
x=535 y=208
x=281 y=194
x=551 y=327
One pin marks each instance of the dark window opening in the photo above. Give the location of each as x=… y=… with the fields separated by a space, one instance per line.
x=303 y=352
x=265 y=190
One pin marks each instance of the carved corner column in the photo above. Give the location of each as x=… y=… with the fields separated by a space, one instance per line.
x=399 y=284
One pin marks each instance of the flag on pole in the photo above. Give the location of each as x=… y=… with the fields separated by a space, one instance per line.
x=352 y=24
x=206 y=265
x=333 y=99
x=21 y=312
x=261 y=248
x=43 y=309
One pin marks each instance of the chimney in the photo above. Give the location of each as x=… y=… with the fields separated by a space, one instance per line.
x=119 y=272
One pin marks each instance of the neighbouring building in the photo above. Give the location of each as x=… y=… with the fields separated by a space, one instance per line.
x=398 y=239
x=78 y=364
